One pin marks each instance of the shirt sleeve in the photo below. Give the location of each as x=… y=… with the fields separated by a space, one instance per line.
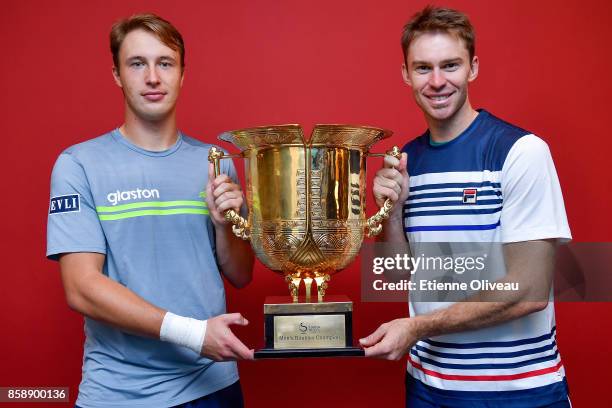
x=533 y=202
x=227 y=167
x=72 y=222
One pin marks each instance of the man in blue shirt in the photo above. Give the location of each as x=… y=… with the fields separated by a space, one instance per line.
x=136 y=222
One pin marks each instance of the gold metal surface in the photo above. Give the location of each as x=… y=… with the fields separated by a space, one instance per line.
x=285 y=305
x=306 y=199
x=309 y=331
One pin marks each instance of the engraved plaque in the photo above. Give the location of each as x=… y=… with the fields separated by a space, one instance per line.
x=309 y=331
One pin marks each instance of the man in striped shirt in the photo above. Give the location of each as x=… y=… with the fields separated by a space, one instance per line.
x=472 y=178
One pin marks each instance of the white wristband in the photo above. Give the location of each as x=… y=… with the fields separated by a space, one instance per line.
x=183 y=331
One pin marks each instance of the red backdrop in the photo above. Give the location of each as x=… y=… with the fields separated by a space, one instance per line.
x=543 y=66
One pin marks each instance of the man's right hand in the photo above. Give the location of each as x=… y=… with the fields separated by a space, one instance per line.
x=392 y=182
x=220 y=344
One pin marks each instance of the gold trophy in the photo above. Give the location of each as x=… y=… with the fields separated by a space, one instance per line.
x=306 y=221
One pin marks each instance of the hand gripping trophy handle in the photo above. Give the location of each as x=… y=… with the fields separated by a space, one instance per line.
x=374 y=223
x=240 y=226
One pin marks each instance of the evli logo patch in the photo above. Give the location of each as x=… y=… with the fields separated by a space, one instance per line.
x=470 y=196
x=65 y=203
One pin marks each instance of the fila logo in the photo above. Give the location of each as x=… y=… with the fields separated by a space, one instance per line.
x=65 y=203
x=470 y=196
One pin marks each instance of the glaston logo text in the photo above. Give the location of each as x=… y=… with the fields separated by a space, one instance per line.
x=118 y=196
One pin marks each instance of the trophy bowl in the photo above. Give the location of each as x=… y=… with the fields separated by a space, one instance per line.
x=306 y=198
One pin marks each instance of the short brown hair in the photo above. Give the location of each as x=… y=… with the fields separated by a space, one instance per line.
x=163 y=29
x=433 y=19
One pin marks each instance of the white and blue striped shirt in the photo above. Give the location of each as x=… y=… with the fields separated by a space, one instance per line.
x=493 y=183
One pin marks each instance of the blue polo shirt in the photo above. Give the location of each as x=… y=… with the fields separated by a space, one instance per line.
x=146 y=211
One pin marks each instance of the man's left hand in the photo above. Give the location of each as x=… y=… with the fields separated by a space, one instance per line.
x=392 y=340
x=222 y=194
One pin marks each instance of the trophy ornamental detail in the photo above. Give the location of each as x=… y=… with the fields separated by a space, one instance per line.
x=306 y=198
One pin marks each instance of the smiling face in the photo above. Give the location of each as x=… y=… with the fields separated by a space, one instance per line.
x=438 y=68
x=150 y=75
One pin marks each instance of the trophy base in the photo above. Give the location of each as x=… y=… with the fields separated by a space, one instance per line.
x=308 y=328
x=305 y=353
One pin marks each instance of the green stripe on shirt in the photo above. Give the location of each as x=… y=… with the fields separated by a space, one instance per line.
x=146 y=204
x=142 y=213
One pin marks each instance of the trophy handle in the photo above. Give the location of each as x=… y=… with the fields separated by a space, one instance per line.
x=240 y=226
x=374 y=223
